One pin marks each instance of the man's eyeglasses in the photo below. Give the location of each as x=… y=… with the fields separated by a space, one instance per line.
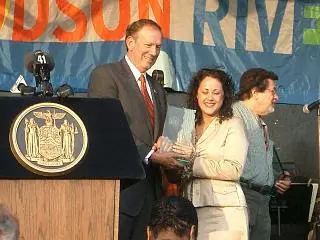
x=273 y=91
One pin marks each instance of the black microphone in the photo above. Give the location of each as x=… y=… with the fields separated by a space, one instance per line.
x=38 y=57
x=64 y=91
x=309 y=107
x=158 y=76
x=40 y=64
x=26 y=90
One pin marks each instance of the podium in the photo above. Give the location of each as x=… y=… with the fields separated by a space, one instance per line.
x=84 y=203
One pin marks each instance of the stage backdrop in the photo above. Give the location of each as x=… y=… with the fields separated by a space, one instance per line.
x=280 y=35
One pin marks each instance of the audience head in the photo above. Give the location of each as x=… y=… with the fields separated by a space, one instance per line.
x=143 y=42
x=173 y=218
x=258 y=85
x=9 y=227
x=211 y=94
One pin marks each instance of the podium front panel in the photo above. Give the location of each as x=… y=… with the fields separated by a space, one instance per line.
x=111 y=152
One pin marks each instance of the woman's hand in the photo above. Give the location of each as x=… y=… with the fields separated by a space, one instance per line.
x=163 y=144
x=186 y=151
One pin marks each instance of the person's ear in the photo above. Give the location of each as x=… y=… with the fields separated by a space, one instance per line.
x=193 y=232
x=254 y=93
x=130 y=42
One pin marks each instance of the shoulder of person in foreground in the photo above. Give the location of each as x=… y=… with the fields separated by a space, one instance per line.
x=237 y=129
x=236 y=123
x=102 y=82
x=173 y=217
x=9 y=226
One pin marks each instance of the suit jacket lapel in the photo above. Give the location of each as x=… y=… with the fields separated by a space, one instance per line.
x=136 y=93
x=211 y=130
x=132 y=83
x=156 y=104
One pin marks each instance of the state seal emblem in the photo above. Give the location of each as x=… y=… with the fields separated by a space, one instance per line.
x=48 y=139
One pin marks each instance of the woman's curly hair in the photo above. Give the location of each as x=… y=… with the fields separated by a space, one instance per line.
x=225 y=111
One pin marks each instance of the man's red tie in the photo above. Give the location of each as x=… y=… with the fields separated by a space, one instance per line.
x=147 y=99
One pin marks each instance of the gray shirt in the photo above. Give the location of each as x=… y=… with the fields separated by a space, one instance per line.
x=258 y=167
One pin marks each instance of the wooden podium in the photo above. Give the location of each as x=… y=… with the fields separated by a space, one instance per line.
x=63 y=209
x=83 y=204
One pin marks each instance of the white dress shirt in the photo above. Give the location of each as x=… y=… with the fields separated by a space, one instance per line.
x=136 y=73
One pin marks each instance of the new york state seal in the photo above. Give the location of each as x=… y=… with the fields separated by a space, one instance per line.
x=48 y=139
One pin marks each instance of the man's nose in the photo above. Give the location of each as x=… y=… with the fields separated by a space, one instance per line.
x=153 y=50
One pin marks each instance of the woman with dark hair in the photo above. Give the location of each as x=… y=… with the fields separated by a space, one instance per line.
x=173 y=217
x=216 y=160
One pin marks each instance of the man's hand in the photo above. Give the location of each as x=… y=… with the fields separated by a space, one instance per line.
x=167 y=160
x=284 y=183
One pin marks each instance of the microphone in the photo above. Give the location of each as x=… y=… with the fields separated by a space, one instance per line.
x=158 y=76
x=26 y=90
x=40 y=64
x=64 y=91
x=32 y=59
x=309 y=107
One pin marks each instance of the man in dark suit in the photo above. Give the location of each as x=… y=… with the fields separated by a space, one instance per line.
x=144 y=103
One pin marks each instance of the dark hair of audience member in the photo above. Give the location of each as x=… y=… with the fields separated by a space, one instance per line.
x=173 y=213
x=9 y=226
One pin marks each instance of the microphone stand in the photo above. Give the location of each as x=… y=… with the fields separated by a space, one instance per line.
x=317 y=223
x=279 y=203
x=275 y=153
x=318 y=118
x=42 y=76
x=45 y=89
